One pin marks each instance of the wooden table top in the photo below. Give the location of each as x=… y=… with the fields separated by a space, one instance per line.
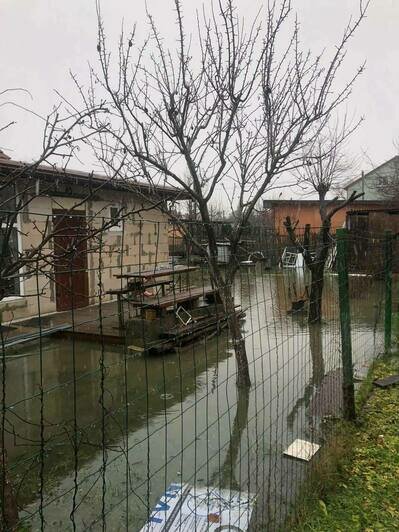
x=152 y=274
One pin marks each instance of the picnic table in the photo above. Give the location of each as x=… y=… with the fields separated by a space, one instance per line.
x=138 y=282
x=155 y=273
x=176 y=298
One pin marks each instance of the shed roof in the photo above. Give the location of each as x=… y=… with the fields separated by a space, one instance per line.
x=46 y=171
x=296 y=203
x=387 y=210
x=316 y=203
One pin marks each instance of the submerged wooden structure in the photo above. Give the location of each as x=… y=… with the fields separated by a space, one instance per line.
x=154 y=312
x=165 y=312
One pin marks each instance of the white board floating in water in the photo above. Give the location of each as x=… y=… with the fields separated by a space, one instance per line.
x=183 y=508
x=303 y=450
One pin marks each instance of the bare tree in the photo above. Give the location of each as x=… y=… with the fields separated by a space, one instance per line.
x=234 y=105
x=18 y=187
x=325 y=166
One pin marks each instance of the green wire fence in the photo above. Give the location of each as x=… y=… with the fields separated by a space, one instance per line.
x=111 y=406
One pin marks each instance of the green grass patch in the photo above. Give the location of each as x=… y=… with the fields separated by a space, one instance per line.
x=354 y=484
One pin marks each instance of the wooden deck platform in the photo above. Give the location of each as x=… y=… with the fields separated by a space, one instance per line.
x=84 y=324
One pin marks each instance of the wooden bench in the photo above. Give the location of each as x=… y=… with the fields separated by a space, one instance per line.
x=174 y=299
x=133 y=289
x=139 y=287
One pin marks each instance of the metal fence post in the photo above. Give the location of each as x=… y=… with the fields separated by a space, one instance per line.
x=388 y=290
x=348 y=389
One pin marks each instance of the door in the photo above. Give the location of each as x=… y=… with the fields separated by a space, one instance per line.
x=70 y=260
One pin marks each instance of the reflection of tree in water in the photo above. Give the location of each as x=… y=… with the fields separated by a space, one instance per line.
x=316 y=352
x=225 y=477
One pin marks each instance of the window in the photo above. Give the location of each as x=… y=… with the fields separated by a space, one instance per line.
x=9 y=252
x=8 y=200
x=115 y=216
x=9 y=236
x=358 y=221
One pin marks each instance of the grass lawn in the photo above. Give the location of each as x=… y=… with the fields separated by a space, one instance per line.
x=355 y=484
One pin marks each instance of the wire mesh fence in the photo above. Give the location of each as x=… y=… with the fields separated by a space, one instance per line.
x=120 y=408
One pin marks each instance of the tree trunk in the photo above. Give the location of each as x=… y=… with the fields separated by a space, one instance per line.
x=234 y=325
x=224 y=285
x=316 y=293
x=317 y=273
x=316 y=351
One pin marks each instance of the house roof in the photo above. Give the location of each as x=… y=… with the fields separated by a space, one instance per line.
x=363 y=204
x=4 y=156
x=295 y=203
x=353 y=181
x=79 y=177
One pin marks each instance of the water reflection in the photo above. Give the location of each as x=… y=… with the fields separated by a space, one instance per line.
x=317 y=368
x=79 y=397
x=225 y=477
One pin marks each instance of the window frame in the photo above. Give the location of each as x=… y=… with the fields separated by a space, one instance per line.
x=118 y=227
x=17 y=226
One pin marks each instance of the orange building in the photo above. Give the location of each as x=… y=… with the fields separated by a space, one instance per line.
x=307 y=212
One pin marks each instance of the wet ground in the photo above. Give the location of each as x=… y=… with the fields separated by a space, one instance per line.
x=94 y=436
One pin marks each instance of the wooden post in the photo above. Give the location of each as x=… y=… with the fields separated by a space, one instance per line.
x=388 y=291
x=344 y=314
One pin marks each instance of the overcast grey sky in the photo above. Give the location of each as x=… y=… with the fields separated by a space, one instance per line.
x=41 y=40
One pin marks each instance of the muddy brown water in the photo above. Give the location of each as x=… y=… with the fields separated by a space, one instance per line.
x=94 y=436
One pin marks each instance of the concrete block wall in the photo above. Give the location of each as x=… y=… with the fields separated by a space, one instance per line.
x=142 y=243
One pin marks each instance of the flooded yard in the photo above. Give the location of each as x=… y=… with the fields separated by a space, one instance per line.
x=95 y=435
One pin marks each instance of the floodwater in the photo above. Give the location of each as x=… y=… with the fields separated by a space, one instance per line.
x=94 y=436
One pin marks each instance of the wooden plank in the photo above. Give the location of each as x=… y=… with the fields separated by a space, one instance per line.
x=136 y=288
x=28 y=337
x=177 y=298
x=387 y=381
x=192 y=327
x=116 y=291
x=152 y=274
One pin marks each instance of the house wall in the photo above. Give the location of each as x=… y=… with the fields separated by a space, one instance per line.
x=367 y=186
x=306 y=214
x=370 y=180
x=366 y=250
x=143 y=242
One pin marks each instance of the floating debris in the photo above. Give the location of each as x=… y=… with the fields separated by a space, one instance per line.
x=166 y=396
x=360 y=374
x=183 y=508
x=387 y=381
x=302 y=450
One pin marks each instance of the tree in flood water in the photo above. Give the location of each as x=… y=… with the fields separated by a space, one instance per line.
x=234 y=106
x=325 y=165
